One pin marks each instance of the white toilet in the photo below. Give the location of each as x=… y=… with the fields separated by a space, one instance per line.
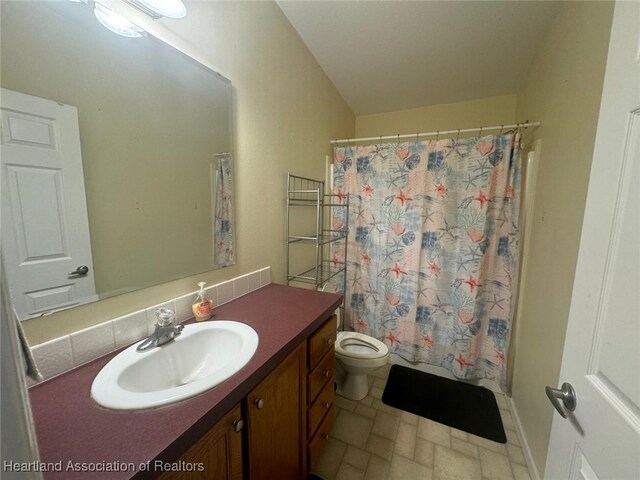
x=357 y=355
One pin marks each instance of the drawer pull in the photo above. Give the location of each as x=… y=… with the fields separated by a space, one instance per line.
x=329 y=341
x=238 y=425
x=259 y=403
x=325 y=436
x=326 y=373
x=326 y=405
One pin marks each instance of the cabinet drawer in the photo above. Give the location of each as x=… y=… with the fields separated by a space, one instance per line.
x=323 y=373
x=320 y=407
x=321 y=341
x=320 y=439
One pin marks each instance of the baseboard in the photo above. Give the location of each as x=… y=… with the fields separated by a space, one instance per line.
x=524 y=444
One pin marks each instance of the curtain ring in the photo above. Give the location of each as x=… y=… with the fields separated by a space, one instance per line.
x=458 y=135
x=417 y=135
x=501 y=129
x=480 y=133
x=437 y=135
x=398 y=139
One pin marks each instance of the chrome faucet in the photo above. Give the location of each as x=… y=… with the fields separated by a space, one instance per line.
x=165 y=331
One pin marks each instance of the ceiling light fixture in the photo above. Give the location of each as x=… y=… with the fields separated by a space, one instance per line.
x=116 y=22
x=161 y=8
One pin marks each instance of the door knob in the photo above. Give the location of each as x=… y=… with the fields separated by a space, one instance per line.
x=81 y=270
x=568 y=396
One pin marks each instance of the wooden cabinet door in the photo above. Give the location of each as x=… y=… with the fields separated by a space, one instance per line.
x=276 y=422
x=219 y=451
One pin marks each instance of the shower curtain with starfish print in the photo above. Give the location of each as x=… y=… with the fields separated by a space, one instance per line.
x=432 y=248
x=223 y=224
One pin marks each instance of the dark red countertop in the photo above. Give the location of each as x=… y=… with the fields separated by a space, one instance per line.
x=71 y=427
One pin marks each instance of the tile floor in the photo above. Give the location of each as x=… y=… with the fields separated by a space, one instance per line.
x=372 y=441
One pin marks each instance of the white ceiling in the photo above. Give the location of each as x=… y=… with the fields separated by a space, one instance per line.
x=393 y=55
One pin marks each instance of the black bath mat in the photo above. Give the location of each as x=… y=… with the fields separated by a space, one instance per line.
x=456 y=404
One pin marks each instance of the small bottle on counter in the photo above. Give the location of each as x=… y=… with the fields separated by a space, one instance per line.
x=202 y=307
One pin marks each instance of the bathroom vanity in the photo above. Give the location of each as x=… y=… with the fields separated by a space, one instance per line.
x=270 y=420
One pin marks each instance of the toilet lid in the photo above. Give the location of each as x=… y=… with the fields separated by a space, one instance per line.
x=358 y=345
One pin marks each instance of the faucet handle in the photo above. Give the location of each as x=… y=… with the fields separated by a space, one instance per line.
x=165 y=316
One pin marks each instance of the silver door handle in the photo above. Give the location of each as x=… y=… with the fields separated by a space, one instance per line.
x=81 y=270
x=568 y=396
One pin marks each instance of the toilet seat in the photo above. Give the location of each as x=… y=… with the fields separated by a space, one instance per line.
x=358 y=345
x=357 y=355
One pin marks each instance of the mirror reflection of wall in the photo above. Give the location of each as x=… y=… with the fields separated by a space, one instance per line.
x=149 y=123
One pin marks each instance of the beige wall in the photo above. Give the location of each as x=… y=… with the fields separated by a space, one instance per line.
x=486 y=111
x=563 y=92
x=285 y=112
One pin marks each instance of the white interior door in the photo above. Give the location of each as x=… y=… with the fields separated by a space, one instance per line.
x=600 y=439
x=45 y=230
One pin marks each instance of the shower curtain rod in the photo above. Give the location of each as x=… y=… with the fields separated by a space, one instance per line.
x=444 y=132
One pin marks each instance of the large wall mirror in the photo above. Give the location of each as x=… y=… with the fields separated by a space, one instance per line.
x=116 y=171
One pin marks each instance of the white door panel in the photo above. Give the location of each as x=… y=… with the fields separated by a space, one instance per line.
x=619 y=315
x=39 y=220
x=581 y=470
x=45 y=230
x=601 y=438
x=29 y=130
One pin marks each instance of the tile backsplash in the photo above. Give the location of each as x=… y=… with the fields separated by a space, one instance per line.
x=64 y=353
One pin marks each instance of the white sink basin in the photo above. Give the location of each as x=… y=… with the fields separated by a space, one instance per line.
x=204 y=355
